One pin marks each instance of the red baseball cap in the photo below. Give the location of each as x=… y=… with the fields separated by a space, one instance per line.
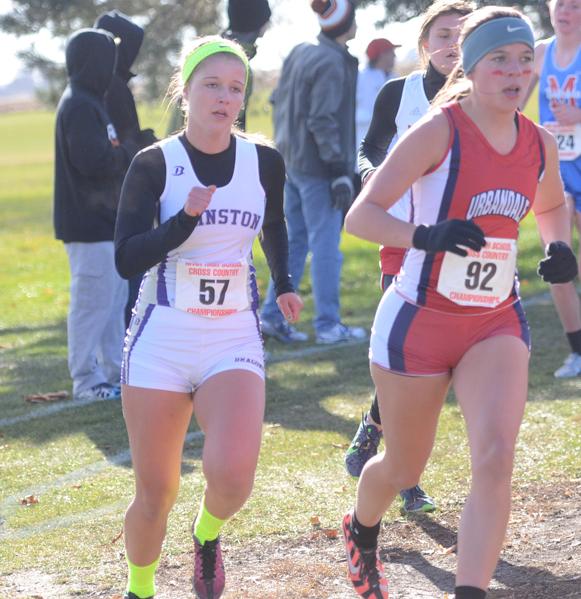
x=379 y=46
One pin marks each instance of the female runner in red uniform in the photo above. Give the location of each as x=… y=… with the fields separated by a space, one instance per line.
x=453 y=316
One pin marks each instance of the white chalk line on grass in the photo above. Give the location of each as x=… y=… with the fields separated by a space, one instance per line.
x=49 y=410
x=44 y=411
x=11 y=504
x=312 y=350
x=122 y=457
x=61 y=522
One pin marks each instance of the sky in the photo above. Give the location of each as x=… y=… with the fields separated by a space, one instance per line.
x=292 y=23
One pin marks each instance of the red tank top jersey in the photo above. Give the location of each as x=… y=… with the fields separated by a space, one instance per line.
x=390 y=259
x=473 y=181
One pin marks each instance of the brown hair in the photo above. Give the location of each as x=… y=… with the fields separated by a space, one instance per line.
x=457 y=86
x=440 y=8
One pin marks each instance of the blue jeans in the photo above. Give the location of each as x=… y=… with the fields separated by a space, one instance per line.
x=313 y=225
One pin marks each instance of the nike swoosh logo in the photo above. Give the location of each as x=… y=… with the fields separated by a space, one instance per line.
x=511 y=29
x=352 y=567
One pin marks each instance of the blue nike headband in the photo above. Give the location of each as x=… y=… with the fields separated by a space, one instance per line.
x=492 y=35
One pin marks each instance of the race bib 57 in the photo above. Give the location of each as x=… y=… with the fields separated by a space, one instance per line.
x=212 y=290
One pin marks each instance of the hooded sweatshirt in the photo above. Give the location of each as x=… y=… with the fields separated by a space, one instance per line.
x=119 y=100
x=89 y=159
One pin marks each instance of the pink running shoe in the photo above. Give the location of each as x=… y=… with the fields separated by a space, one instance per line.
x=209 y=579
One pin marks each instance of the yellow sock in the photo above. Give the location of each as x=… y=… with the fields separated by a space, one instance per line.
x=141 y=579
x=206 y=526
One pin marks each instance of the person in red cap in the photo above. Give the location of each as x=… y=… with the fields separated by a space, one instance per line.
x=381 y=58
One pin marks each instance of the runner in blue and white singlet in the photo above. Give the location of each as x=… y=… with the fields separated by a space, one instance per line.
x=558 y=70
x=562 y=86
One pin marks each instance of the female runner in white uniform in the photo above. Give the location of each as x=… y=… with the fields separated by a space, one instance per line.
x=194 y=344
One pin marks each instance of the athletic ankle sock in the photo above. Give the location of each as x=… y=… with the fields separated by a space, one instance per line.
x=206 y=526
x=374 y=410
x=574 y=339
x=465 y=592
x=141 y=579
x=365 y=536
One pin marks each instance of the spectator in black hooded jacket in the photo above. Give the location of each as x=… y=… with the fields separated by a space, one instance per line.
x=90 y=162
x=120 y=103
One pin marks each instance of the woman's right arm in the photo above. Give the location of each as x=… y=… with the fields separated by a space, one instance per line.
x=139 y=246
x=419 y=150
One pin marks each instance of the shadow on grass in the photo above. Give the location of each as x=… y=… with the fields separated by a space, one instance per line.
x=296 y=395
x=521 y=581
x=37 y=364
x=300 y=393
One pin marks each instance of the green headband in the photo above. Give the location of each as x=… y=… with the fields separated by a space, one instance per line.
x=195 y=57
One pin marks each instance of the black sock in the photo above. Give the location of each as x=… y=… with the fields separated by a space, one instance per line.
x=574 y=339
x=465 y=592
x=374 y=410
x=365 y=536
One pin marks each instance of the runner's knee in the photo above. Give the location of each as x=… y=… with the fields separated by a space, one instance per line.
x=156 y=500
x=231 y=479
x=494 y=463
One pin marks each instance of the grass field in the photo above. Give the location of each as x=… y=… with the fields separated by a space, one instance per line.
x=74 y=459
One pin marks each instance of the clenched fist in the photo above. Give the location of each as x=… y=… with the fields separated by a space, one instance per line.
x=198 y=200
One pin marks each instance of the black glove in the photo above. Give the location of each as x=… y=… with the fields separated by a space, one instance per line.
x=342 y=193
x=560 y=265
x=448 y=235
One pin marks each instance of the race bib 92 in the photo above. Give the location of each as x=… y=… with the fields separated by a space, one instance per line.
x=481 y=279
x=212 y=290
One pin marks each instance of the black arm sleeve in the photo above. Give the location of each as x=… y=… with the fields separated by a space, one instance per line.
x=273 y=237
x=382 y=128
x=139 y=246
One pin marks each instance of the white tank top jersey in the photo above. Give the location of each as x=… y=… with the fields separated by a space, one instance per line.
x=226 y=230
x=412 y=107
x=413 y=104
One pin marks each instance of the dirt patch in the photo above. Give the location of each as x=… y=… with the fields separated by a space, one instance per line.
x=541 y=559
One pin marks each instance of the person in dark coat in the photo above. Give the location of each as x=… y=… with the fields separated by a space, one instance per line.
x=120 y=103
x=90 y=162
x=248 y=20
